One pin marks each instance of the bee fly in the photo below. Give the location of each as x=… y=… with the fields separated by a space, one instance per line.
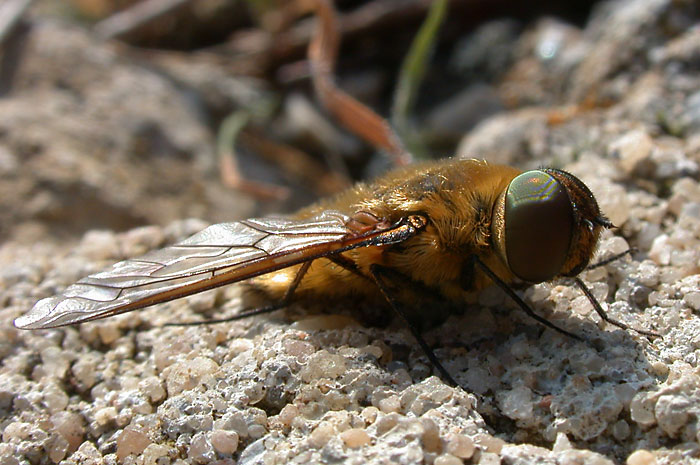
x=451 y=226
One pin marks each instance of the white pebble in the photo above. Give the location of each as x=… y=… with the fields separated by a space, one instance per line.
x=642 y=409
x=186 y=375
x=55 y=362
x=632 y=148
x=85 y=370
x=355 y=437
x=105 y=415
x=224 y=442
x=390 y=404
x=321 y=434
x=369 y=414
x=693 y=299
x=99 y=245
x=288 y=413
x=661 y=250
x=323 y=364
x=517 y=403
x=447 y=459
x=70 y=426
x=201 y=450
x=153 y=389
x=131 y=441
x=153 y=453
x=641 y=457
x=672 y=413
x=460 y=445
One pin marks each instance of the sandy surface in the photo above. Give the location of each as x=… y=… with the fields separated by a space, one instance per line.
x=616 y=103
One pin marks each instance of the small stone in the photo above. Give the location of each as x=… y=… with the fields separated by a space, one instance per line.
x=355 y=437
x=224 y=442
x=16 y=430
x=131 y=441
x=85 y=371
x=153 y=389
x=431 y=435
x=140 y=240
x=693 y=300
x=256 y=431
x=562 y=443
x=661 y=250
x=105 y=415
x=621 y=430
x=489 y=458
x=642 y=409
x=490 y=443
x=152 y=454
x=70 y=426
x=374 y=351
x=447 y=459
x=301 y=350
x=109 y=332
x=186 y=375
x=88 y=454
x=386 y=423
x=201 y=450
x=323 y=364
x=57 y=449
x=460 y=445
x=633 y=148
x=517 y=403
x=390 y=404
x=99 y=245
x=55 y=362
x=641 y=457
x=672 y=413
x=288 y=413
x=369 y=414
x=659 y=368
x=203 y=301
x=321 y=434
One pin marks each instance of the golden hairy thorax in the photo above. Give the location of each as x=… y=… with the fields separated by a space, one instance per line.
x=456 y=196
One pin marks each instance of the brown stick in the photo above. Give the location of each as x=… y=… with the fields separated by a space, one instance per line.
x=355 y=116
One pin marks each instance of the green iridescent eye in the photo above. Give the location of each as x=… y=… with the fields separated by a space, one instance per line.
x=539 y=223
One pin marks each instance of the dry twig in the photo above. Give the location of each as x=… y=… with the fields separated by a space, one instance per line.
x=355 y=116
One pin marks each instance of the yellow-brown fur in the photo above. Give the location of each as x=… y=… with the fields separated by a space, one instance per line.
x=456 y=196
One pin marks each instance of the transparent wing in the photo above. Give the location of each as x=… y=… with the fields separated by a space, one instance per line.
x=220 y=254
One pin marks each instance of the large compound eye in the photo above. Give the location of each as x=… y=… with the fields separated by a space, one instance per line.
x=538 y=226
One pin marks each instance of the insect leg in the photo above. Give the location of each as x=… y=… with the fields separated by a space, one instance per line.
x=286 y=299
x=611 y=259
x=376 y=272
x=521 y=303
x=599 y=310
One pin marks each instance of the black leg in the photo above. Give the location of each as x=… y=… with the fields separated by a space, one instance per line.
x=599 y=310
x=615 y=257
x=521 y=303
x=376 y=274
x=286 y=299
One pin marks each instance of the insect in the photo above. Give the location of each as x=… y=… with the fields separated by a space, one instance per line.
x=450 y=227
x=436 y=224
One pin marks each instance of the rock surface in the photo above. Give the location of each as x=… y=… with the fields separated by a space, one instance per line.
x=616 y=103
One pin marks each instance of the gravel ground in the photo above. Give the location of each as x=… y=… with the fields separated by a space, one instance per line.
x=325 y=389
